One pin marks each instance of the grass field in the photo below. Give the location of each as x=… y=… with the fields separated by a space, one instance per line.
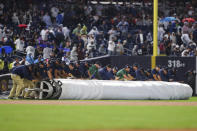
x=21 y=117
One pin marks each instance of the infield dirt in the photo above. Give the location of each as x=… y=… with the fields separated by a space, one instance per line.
x=106 y=102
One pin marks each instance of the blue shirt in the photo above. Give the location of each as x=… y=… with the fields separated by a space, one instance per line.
x=154 y=72
x=23 y=72
x=171 y=75
x=132 y=73
x=111 y=75
x=140 y=76
x=29 y=59
x=43 y=72
x=164 y=77
x=150 y=77
x=51 y=69
x=104 y=74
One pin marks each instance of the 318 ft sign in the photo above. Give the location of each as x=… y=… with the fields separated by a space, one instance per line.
x=175 y=64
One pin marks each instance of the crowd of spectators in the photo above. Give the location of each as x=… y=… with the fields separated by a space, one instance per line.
x=76 y=30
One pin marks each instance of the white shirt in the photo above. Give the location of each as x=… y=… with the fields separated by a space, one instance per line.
x=1 y=34
x=73 y=54
x=44 y=34
x=15 y=19
x=184 y=54
x=30 y=50
x=91 y=45
x=141 y=38
x=160 y=33
x=19 y=45
x=54 y=11
x=47 y=20
x=111 y=46
x=46 y=52
x=112 y=33
x=1 y=6
x=185 y=38
x=66 y=32
x=119 y=48
x=93 y=32
x=66 y=60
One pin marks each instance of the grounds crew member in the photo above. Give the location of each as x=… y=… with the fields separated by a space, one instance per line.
x=93 y=71
x=149 y=75
x=155 y=73
x=72 y=71
x=163 y=73
x=112 y=73
x=50 y=70
x=18 y=75
x=104 y=72
x=123 y=74
x=28 y=83
x=139 y=73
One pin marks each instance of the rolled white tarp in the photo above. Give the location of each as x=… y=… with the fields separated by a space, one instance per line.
x=123 y=90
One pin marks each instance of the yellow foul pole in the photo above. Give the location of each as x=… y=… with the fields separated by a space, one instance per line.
x=155 y=33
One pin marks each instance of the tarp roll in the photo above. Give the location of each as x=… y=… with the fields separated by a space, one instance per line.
x=123 y=90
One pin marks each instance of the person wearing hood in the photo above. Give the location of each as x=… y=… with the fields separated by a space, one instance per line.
x=74 y=55
x=119 y=48
x=30 y=50
x=94 y=31
x=77 y=30
x=29 y=59
x=83 y=31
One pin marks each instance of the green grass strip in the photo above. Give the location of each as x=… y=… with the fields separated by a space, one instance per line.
x=59 y=117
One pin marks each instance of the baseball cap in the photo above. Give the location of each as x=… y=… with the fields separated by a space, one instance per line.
x=127 y=66
x=135 y=65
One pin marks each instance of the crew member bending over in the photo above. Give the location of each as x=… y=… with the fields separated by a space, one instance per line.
x=123 y=74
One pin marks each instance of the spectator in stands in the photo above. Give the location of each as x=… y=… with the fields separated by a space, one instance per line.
x=40 y=59
x=77 y=30
x=30 y=50
x=3 y=54
x=123 y=26
x=102 y=50
x=74 y=55
x=140 y=38
x=19 y=44
x=111 y=47
x=47 y=19
x=46 y=52
x=15 y=19
x=44 y=34
x=66 y=32
x=1 y=66
x=119 y=48
x=113 y=34
x=161 y=32
x=29 y=59
x=38 y=51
